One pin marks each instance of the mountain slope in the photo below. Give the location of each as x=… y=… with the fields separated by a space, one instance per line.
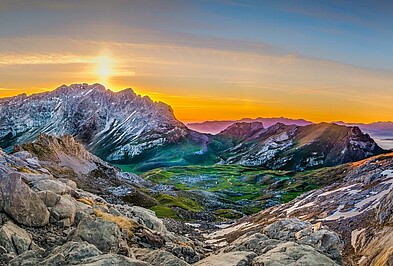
x=292 y=147
x=117 y=126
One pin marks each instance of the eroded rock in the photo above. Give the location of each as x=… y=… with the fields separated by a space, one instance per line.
x=21 y=203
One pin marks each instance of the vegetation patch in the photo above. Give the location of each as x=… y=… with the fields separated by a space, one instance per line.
x=181 y=202
x=164 y=212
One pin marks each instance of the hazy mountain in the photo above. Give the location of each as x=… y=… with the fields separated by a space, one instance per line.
x=214 y=127
x=381 y=132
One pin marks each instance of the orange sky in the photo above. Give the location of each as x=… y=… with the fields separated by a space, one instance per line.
x=207 y=83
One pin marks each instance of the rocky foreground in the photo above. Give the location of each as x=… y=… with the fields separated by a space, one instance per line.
x=358 y=207
x=48 y=217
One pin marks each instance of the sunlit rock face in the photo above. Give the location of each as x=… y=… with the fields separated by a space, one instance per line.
x=117 y=126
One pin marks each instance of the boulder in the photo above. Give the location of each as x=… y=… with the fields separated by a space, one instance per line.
x=185 y=250
x=286 y=229
x=112 y=259
x=253 y=242
x=293 y=254
x=14 y=239
x=49 y=197
x=28 y=258
x=34 y=177
x=143 y=216
x=327 y=242
x=162 y=258
x=64 y=211
x=105 y=235
x=20 y=202
x=68 y=183
x=237 y=258
x=72 y=253
x=55 y=186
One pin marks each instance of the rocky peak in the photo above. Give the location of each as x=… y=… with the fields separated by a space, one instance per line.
x=114 y=125
x=242 y=130
x=292 y=147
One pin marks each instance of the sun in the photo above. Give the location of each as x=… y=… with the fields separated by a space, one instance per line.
x=104 y=68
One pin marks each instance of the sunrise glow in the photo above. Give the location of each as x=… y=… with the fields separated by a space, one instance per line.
x=104 y=69
x=254 y=65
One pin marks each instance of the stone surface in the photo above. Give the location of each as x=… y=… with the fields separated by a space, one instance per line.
x=64 y=210
x=73 y=252
x=49 y=197
x=106 y=236
x=292 y=254
x=14 y=239
x=20 y=202
x=52 y=185
x=143 y=216
x=162 y=258
x=113 y=259
x=236 y=258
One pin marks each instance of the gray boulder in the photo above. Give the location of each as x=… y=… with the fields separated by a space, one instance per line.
x=162 y=258
x=143 y=216
x=20 y=202
x=112 y=259
x=292 y=254
x=237 y=258
x=14 y=239
x=49 y=197
x=55 y=186
x=286 y=229
x=106 y=236
x=72 y=253
x=255 y=242
x=64 y=211
x=28 y=258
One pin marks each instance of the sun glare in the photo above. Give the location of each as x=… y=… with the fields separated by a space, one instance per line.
x=104 y=68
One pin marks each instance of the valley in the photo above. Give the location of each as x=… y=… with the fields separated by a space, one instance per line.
x=231 y=191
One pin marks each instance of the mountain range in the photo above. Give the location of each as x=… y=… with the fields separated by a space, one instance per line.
x=382 y=132
x=127 y=129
